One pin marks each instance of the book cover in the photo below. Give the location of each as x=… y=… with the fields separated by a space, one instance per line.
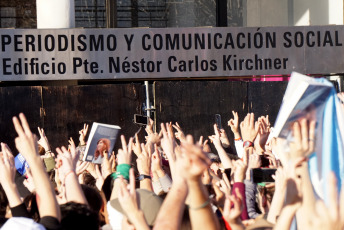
x=20 y=164
x=101 y=141
x=304 y=97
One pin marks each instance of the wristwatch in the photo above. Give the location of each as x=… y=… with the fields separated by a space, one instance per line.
x=247 y=144
x=142 y=177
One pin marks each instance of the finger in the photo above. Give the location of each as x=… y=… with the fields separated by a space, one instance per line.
x=176 y=127
x=304 y=133
x=311 y=137
x=4 y=154
x=200 y=142
x=59 y=151
x=230 y=123
x=130 y=145
x=40 y=131
x=144 y=151
x=124 y=143
x=65 y=151
x=106 y=155
x=18 y=127
x=163 y=129
x=25 y=124
x=137 y=141
x=252 y=120
x=297 y=133
x=236 y=117
x=216 y=130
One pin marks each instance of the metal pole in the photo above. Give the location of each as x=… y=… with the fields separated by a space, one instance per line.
x=221 y=13
x=148 y=107
x=111 y=13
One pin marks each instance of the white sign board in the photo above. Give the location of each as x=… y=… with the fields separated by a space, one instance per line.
x=66 y=54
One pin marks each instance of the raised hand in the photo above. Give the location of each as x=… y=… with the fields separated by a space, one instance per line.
x=74 y=152
x=234 y=124
x=124 y=154
x=304 y=142
x=144 y=161
x=65 y=163
x=264 y=130
x=137 y=146
x=232 y=210
x=83 y=133
x=128 y=200
x=195 y=161
x=153 y=137
x=7 y=167
x=179 y=134
x=216 y=139
x=43 y=141
x=107 y=164
x=248 y=129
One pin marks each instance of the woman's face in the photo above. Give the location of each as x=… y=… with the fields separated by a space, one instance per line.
x=101 y=146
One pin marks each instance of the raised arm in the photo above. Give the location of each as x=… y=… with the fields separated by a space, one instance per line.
x=26 y=143
x=195 y=162
x=7 y=174
x=225 y=160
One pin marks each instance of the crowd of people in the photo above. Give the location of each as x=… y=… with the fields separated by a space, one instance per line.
x=170 y=180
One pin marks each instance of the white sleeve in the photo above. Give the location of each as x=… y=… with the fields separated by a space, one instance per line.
x=239 y=147
x=166 y=183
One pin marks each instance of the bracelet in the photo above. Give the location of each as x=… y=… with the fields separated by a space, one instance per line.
x=238 y=139
x=48 y=151
x=68 y=174
x=201 y=206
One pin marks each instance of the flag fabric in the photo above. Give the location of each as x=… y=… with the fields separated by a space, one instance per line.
x=329 y=152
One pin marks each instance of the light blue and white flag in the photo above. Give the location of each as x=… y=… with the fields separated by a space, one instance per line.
x=316 y=97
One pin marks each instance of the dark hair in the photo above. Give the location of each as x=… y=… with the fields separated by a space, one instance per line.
x=107 y=187
x=31 y=204
x=78 y=216
x=3 y=202
x=93 y=197
x=89 y=180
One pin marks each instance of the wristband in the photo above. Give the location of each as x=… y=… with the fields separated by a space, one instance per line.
x=121 y=170
x=238 y=139
x=201 y=206
x=142 y=177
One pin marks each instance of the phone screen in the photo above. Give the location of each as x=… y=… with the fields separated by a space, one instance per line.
x=218 y=121
x=262 y=175
x=140 y=119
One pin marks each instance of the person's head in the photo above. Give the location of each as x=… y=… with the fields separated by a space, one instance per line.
x=148 y=202
x=93 y=197
x=89 y=179
x=41 y=150
x=78 y=216
x=107 y=187
x=215 y=163
x=31 y=204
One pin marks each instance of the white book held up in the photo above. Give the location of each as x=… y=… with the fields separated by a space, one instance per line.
x=101 y=141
